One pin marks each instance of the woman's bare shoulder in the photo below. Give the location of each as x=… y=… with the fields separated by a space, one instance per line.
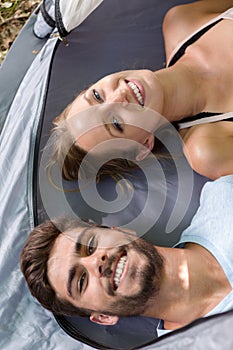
x=208 y=148
x=182 y=20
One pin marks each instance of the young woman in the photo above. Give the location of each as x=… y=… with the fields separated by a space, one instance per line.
x=197 y=83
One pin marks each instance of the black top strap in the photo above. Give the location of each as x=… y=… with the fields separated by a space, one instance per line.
x=189 y=42
x=177 y=56
x=199 y=117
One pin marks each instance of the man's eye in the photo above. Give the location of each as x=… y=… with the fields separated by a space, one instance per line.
x=116 y=124
x=97 y=96
x=81 y=282
x=91 y=246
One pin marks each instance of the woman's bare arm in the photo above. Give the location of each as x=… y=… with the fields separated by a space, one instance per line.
x=209 y=148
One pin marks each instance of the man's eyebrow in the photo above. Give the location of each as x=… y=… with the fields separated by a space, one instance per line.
x=70 y=280
x=72 y=271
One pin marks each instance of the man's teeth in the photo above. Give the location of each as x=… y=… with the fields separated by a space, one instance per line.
x=136 y=92
x=119 y=270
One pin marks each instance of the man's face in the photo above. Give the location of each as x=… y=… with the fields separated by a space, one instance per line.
x=104 y=270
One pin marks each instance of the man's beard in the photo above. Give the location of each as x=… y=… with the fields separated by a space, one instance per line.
x=150 y=281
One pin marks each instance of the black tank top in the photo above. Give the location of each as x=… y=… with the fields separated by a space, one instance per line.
x=201 y=117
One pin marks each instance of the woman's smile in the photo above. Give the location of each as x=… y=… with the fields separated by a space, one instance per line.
x=137 y=91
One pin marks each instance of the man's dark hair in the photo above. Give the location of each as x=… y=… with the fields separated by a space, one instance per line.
x=34 y=265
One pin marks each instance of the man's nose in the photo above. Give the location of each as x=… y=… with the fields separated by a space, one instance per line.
x=96 y=263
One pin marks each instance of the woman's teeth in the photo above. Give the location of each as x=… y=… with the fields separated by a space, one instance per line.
x=136 y=92
x=119 y=270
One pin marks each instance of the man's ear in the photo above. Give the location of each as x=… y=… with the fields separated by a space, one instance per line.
x=146 y=148
x=103 y=319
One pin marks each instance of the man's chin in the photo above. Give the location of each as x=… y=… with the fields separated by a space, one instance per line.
x=145 y=280
x=133 y=305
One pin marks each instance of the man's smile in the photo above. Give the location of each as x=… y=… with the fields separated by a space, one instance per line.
x=119 y=271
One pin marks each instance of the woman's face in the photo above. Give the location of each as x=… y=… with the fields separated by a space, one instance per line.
x=121 y=105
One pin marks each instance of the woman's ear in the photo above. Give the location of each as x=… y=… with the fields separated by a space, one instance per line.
x=103 y=319
x=146 y=148
x=142 y=154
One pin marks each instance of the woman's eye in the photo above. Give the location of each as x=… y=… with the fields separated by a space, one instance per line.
x=91 y=246
x=117 y=125
x=81 y=282
x=97 y=96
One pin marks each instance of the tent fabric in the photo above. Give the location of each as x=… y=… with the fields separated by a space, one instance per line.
x=67 y=14
x=30 y=97
x=16 y=64
x=45 y=22
x=212 y=333
x=74 y=12
x=23 y=323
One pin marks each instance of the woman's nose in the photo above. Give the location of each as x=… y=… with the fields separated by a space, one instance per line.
x=119 y=95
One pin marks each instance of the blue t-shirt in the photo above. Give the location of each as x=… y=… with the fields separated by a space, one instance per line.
x=212 y=228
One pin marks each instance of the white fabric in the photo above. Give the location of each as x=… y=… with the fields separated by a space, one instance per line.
x=75 y=12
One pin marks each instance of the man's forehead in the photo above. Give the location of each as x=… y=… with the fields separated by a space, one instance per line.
x=74 y=234
x=64 y=246
x=77 y=236
x=61 y=247
x=67 y=239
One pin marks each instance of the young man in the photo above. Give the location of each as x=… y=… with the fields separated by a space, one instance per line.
x=77 y=268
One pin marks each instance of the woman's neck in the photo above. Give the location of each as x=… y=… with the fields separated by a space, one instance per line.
x=182 y=95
